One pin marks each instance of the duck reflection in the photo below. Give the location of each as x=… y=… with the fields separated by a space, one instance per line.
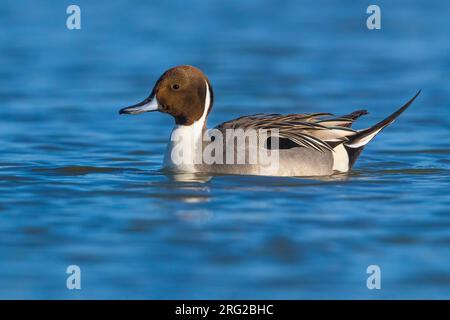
x=188 y=177
x=190 y=188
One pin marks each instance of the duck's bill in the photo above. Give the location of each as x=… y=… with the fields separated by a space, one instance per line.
x=148 y=105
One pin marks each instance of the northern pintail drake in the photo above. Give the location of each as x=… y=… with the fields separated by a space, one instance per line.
x=315 y=144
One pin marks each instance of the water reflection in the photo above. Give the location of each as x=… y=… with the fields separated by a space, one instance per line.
x=187 y=176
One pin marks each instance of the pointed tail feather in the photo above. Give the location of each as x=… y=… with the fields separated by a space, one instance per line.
x=362 y=138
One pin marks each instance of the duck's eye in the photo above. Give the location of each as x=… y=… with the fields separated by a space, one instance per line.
x=175 y=86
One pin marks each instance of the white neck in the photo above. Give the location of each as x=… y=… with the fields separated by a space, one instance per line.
x=189 y=140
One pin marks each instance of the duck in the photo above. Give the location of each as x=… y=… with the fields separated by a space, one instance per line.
x=297 y=144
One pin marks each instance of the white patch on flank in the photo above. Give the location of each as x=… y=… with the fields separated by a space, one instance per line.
x=363 y=141
x=188 y=139
x=340 y=159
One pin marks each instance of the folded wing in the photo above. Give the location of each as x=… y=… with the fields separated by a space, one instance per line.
x=319 y=131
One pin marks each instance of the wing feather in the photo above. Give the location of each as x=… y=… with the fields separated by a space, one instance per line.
x=305 y=130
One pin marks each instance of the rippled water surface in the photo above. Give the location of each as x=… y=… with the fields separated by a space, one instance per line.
x=81 y=185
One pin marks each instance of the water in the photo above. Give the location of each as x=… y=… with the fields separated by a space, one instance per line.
x=81 y=185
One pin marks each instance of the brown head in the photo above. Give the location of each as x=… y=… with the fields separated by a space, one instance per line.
x=183 y=92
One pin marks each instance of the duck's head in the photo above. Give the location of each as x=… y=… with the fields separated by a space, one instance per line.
x=183 y=92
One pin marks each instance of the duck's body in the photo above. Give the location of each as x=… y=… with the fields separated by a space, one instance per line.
x=297 y=144
x=292 y=162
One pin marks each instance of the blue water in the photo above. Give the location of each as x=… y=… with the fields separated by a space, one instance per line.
x=81 y=185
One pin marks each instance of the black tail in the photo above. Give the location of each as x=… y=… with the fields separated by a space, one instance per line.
x=357 y=142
